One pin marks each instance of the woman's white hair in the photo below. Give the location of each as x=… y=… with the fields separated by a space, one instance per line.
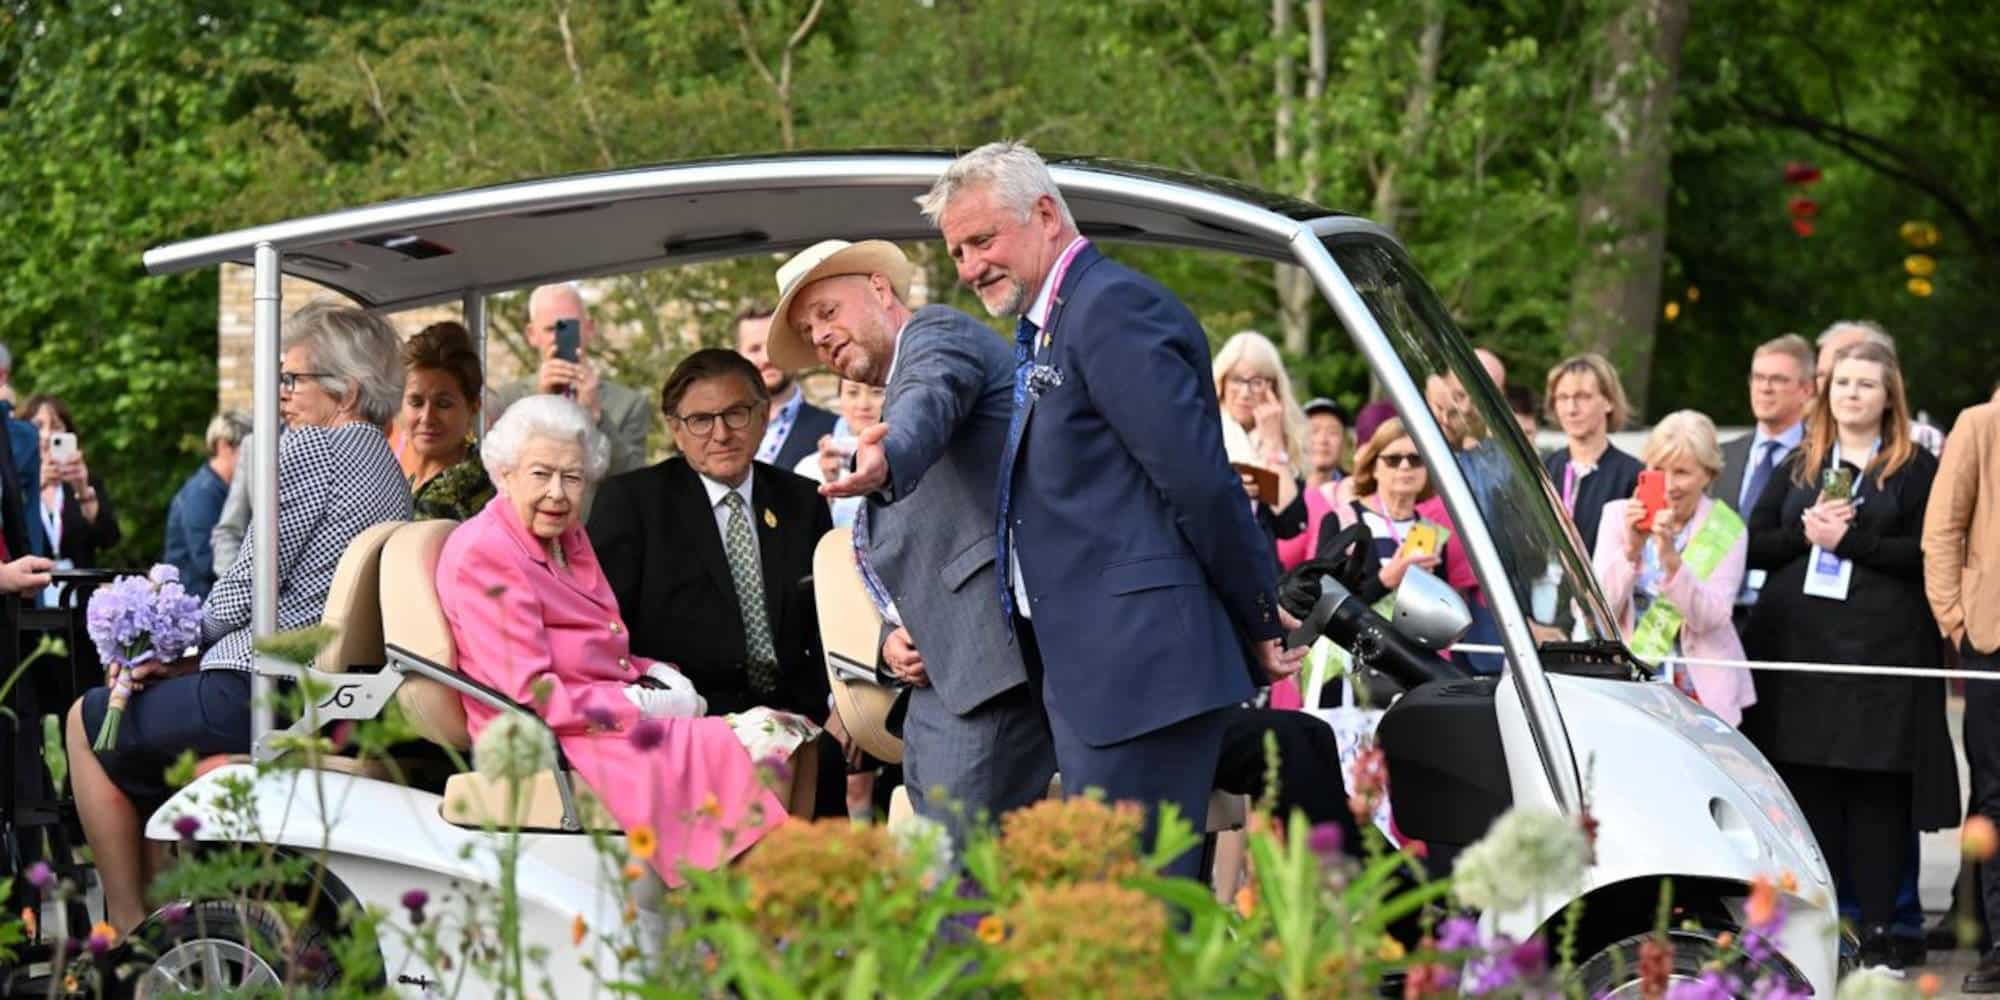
x=1256 y=350
x=1011 y=170
x=358 y=354
x=544 y=417
x=1684 y=432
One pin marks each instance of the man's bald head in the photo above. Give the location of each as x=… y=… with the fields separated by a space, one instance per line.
x=1496 y=369
x=550 y=303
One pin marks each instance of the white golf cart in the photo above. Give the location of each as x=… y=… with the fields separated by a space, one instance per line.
x=1677 y=793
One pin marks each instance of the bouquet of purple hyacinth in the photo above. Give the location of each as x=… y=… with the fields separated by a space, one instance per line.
x=137 y=620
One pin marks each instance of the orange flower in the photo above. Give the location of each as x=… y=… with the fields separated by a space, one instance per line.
x=992 y=929
x=633 y=871
x=1789 y=882
x=30 y=923
x=1978 y=839
x=1672 y=311
x=711 y=807
x=1724 y=940
x=1246 y=901
x=578 y=930
x=1762 y=908
x=642 y=842
x=631 y=912
x=1928 y=984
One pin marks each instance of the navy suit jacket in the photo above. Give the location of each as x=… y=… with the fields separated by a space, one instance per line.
x=1147 y=576
x=811 y=424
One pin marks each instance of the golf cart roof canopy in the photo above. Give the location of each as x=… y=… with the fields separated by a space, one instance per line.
x=415 y=251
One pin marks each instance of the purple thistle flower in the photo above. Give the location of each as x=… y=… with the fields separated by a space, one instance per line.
x=187 y=826
x=1529 y=958
x=598 y=717
x=1325 y=841
x=40 y=875
x=174 y=913
x=647 y=735
x=414 y=901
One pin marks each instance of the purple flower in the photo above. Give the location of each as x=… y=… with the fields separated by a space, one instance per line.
x=187 y=826
x=1713 y=985
x=163 y=573
x=116 y=618
x=599 y=717
x=648 y=734
x=173 y=621
x=1325 y=841
x=414 y=901
x=1529 y=958
x=40 y=875
x=174 y=913
x=1458 y=934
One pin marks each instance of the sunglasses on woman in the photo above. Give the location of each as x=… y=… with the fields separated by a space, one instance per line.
x=1401 y=460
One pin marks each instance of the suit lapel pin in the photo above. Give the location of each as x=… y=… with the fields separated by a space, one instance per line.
x=770 y=519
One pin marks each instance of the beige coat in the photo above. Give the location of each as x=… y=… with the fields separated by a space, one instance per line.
x=1962 y=532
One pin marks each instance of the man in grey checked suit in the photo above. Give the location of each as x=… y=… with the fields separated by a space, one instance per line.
x=976 y=738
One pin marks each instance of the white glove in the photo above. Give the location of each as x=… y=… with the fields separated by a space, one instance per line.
x=657 y=703
x=673 y=679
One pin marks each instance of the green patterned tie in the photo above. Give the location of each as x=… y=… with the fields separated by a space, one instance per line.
x=763 y=665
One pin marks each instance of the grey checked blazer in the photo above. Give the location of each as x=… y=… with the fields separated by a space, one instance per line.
x=930 y=529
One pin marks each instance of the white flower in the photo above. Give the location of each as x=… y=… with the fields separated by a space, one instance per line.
x=1529 y=854
x=513 y=747
x=1873 y=984
x=926 y=842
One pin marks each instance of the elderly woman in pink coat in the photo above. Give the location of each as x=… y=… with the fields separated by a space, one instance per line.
x=1673 y=581
x=532 y=616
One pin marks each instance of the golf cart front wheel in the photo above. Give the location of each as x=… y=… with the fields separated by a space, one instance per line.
x=223 y=948
x=1614 y=971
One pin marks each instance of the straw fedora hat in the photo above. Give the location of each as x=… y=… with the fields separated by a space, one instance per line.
x=828 y=259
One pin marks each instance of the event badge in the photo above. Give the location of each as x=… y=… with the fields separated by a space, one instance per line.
x=1827 y=575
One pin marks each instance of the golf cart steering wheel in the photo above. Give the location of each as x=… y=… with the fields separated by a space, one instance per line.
x=1320 y=592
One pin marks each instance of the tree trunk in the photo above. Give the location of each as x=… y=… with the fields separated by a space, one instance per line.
x=1615 y=299
x=1294 y=287
x=1416 y=116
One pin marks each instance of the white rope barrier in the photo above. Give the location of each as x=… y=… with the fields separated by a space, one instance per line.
x=1862 y=670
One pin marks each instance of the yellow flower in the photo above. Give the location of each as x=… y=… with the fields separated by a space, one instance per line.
x=1694 y=294
x=1673 y=311
x=1920 y=287
x=1921 y=235
x=643 y=842
x=577 y=931
x=992 y=929
x=1920 y=265
x=1390 y=949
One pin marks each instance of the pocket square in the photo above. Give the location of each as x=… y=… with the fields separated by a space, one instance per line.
x=1042 y=378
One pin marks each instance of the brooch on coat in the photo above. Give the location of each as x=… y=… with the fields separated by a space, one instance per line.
x=1042 y=378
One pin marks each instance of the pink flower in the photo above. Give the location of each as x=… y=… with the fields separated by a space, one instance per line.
x=1325 y=841
x=40 y=875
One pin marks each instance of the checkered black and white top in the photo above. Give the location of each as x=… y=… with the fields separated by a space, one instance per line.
x=333 y=484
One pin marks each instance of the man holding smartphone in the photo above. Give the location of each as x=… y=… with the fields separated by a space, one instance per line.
x=560 y=328
x=21 y=575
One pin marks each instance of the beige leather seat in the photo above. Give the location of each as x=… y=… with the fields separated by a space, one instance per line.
x=418 y=641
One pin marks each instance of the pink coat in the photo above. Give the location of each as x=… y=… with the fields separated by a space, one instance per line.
x=519 y=624
x=1458 y=569
x=1300 y=547
x=1708 y=633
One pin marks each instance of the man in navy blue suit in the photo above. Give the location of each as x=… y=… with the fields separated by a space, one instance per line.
x=1131 y=564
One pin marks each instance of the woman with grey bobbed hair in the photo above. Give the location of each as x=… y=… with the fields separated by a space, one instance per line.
x=533 y=617
x=338 y=383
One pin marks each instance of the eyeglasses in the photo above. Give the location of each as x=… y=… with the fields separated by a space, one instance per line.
x=703 y=424
x=1401 y=460
x=1254 y=383
x=289 y=381
x=1761 y=379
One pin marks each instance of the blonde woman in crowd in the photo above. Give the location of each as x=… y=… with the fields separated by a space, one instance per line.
x=1586 y=398
x=1256 y=396
x=1673 y=582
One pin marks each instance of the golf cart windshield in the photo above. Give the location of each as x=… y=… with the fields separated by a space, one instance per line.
x=1542 y=558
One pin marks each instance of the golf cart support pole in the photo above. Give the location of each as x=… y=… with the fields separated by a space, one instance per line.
x=474 y=303
x=266 y=301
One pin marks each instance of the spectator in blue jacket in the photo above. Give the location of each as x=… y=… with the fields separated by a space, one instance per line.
x=196 y=507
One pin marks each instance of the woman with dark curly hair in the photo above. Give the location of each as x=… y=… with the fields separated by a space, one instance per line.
x=440 y=407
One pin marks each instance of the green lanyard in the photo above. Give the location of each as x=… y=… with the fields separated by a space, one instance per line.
x=1653 y=638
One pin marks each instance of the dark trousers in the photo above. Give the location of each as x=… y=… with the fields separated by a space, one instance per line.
x=1173 y=764
x=1982 y=753
x=1307 y=776
x=1862 y=821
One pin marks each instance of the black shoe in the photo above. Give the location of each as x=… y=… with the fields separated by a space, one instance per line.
x=1985 y=978
x=1910 y=949
x=1877 y=948
x=1943 y=936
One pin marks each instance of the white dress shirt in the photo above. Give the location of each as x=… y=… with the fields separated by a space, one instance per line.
x=1038 y=314
x=716 y=493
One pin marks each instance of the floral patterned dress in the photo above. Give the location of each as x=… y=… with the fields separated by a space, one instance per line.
x=455 y=494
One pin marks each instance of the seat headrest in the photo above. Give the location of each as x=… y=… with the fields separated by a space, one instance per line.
x=354 y=604
x=413 y=620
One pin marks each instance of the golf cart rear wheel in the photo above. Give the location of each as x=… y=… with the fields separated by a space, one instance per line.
x=1614 y=970
x=222 y=947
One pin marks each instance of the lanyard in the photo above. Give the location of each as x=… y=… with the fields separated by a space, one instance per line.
x=1863 y=474
x=1381 y=510
x=1571 y=479
x=1055 y=279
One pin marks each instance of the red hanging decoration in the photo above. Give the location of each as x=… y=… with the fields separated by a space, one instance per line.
x=1801 y=173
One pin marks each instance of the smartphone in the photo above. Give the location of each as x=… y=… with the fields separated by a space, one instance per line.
x=1837 y=483
x=62 y=446
x=1652 y=496
x=1423 y=539
x=569 y=339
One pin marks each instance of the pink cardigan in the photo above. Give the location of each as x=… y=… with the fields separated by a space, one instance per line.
x=1708 y=632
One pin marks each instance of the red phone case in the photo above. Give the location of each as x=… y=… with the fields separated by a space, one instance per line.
x=1652 y=496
